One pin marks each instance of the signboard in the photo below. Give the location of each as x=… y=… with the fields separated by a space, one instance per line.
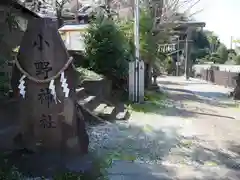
x=178 y=63
x=165 y=48
x=236 y=41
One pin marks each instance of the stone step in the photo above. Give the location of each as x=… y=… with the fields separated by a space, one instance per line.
x=99 y=108
x=90 y=117
x=91 y=106
x=80 y=92
x=108 y=110
x=88 y=101
x=122 y=112
x=107 y=113
x=122 y=115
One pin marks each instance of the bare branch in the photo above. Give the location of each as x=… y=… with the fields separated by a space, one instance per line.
x=191 y=15
x=189 y=8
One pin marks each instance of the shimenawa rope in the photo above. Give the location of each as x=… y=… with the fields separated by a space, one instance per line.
x=44 y=80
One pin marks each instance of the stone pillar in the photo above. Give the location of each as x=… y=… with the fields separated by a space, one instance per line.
x=48 y=120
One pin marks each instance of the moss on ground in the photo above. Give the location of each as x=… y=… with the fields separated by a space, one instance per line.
x=85 y=74
x=153 y=101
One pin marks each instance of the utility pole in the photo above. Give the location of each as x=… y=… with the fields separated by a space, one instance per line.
x=136 y=43
x=186 y=59
x=178 y=58
x=136 y=29
x=77 y=3
x=136 y=68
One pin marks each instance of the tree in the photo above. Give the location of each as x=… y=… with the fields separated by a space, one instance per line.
x=201 y=45
x=237 y=60
x=232 y=51
x=156 y=23
x=58 y=6
x=213 y=40
x=107 y=50
x=231 y=55
x=157 y=20
x=200 y=39
x=9 y=28
x=215 y=58
x=215 y=51
x=149 y=43
x=223 y=54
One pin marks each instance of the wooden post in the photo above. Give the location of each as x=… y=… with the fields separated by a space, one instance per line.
x=47 y=120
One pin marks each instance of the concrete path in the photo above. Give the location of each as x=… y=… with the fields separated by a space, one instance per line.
x=196 y=136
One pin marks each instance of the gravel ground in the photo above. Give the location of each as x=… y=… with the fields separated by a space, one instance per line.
x=196 y=136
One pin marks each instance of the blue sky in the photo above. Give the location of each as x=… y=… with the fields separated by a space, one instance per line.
x=222 y=17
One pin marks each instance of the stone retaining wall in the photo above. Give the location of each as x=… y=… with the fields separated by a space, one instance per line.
x=101 y=88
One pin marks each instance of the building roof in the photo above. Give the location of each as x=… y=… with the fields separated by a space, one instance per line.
x=16 y=5
x=74 y=27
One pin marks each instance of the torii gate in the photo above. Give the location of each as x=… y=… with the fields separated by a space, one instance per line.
x=184 y=28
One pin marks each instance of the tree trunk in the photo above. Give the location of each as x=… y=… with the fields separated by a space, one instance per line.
x=154 y=76
x=59 y=19
x=148 y=75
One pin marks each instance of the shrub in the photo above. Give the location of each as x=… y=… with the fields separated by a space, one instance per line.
x=237 y=60
x=107 y=50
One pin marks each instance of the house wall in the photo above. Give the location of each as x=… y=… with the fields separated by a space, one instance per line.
x=73 y=39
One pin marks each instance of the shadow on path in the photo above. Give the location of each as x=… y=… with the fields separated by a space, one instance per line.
x=206 y=160
x=136 y=150
x=181 y=112
x=177 y=105
x=183 y=83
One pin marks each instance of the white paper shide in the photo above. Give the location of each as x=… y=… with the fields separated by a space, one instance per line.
x=52 y=87
x=63 y=80
x=21 y=86
x=53 y=90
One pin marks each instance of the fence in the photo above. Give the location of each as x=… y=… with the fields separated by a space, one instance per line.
x=221 y=67
x=219 y=77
